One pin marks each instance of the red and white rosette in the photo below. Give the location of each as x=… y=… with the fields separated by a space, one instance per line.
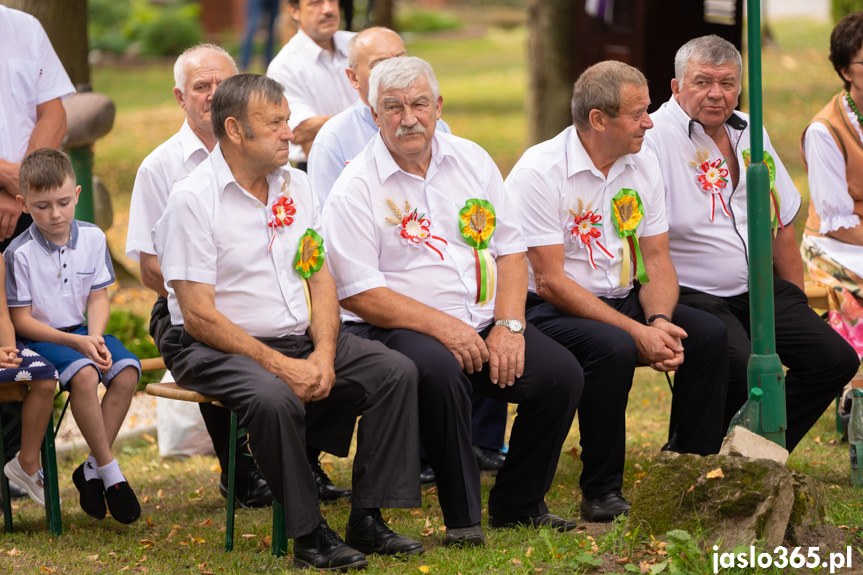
x=585 y=230
x=712 y=177
x=415 y=230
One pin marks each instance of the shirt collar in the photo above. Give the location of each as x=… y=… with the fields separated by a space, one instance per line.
x=365 y=112
x=225 y=177
x=735 y=122
x=190 y=142
x=50 y=247
x=387 y=165
x=313 y=50
x=578 y=160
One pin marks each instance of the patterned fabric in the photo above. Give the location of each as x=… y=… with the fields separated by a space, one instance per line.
x=844 y=293
x=33 y=367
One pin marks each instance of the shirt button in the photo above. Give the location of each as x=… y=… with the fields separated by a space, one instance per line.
x=64 y=281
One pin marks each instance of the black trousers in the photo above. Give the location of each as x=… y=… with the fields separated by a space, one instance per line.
x=379 y=383
x=547 y=395
x=609 y=356
x=819 y=361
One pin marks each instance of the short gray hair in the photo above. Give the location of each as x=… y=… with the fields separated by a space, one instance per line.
x=711 y=50
x=399 y=74
x=352 y=44
x=232 y=98
x=180 y=75
x=599 y=88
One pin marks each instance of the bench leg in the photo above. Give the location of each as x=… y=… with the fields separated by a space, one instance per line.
x=53 y=518
x=280 y=539
x=232 y=466
x=4 y=482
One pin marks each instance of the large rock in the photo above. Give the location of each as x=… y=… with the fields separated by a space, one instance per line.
x=89 y=116
x=744 y=443
x=735 y=498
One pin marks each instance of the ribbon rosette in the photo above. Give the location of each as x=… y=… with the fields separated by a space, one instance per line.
x=476 y=220
x=309 y=259
x=775 y=219
x=415 y=230
x=283 y=215
x=713 y=178
x=584 y=230
x=628 y=212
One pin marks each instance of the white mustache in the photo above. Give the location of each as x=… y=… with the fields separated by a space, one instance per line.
x=417 y=128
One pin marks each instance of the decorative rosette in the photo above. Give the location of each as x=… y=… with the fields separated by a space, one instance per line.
x=712 y=177
x=476 y=220
x=628 y=212
x=585 y=229
x=309 y=259
x=775 y=219
x=283 y=212
x=415 y=230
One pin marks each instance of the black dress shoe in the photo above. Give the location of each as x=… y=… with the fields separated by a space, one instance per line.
x=123 y=503
x=504 y=521
x=250 y=493
x=372 y=535
x=326 y=490
x=488 y=459
x=464 y=537
x=92 y=497
x=426 y=474
x=323 y=550
x=605 y=508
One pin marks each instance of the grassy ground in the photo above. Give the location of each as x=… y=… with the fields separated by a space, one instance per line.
x=181 y=531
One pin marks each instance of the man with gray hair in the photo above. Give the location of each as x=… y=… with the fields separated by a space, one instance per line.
x=590 y=202
x=702 y=145
x=255 y=325
x=429 y=259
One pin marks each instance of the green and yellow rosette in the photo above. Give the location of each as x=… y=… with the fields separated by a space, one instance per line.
x=309 y=259
x=628 y=212
x=476 y=220
x=775 y=220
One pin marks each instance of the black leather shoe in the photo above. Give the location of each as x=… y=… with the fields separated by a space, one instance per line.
x=464 y=537
x=92 y=497
x=372 y=535
x=605 y=508
x=326 y=490
x=323 y=550
x=426 y=474
x=250 y=493
x=488 y=459
x=504 y=521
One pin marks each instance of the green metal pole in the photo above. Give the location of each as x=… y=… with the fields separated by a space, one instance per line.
x=765 y=368
x=82 y=163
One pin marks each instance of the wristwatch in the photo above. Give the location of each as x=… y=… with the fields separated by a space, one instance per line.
x=512 y=325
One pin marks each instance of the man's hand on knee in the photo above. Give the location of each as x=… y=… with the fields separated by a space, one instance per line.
x=303 y=376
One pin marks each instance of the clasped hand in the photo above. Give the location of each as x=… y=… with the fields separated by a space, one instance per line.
x=310 y=379
x=503 y=350
x=9 y=358
x=93 y=347
x=660 y=346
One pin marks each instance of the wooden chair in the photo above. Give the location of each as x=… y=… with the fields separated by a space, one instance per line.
x=17 y=391
x=174 y=391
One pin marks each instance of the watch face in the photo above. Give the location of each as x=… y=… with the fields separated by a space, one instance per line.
x=516 y=326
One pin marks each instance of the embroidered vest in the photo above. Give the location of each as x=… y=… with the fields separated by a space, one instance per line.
x=833 y=116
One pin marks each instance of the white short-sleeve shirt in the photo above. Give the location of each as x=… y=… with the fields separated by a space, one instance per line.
x=709 y=256
x=339 y=141
x=56 y=281
x=555 y=184
x=172 y=161
x=366 y=248
x=30 y=74
x=315 y=81
x=214 y=232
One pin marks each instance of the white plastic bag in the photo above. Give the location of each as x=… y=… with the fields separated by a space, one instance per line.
x=181 y=428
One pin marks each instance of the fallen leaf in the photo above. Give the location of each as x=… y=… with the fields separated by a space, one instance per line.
x=424 y=568
x=528 y=552
x=215 y=468
x=148 y=438
x=622 y=560
x=198 y=540
x=428 y=522
x=146 y=499
x=573 y=452
x=427 y=531
x=126 y=568
x=715 y=474
x=691 y=489
x=159 y=494
x=638 y=466
x=248 y=536
x=516 y=561
x=44 y=569
x=817 y=439
x=184 y=543
x=199 y=490
x=146 y=543
x=15 y=551
x=93 y=557
x=205 y=523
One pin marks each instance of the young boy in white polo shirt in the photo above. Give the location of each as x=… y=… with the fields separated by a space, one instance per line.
x=56 y=272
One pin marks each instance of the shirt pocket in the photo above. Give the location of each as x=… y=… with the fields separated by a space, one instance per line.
x=23 y=75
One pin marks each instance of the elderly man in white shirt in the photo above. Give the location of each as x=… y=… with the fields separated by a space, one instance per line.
x=255 y=324
x=703 y=148
x=429 y=259
x=311 y=68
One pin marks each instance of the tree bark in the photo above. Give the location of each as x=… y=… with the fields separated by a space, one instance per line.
x=550 y=47
x=383 y=13
x=65 y=22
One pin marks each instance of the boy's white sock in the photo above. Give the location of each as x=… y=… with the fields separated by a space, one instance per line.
x=90 y=468
x=111 y=474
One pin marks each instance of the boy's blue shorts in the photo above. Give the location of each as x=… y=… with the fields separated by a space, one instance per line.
x=69 y=361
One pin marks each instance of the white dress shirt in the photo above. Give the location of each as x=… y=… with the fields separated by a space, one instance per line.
x=30 y=74
x=828 y=190
x=709 y=256
x=214 y=232
x=56 y=281
x=172 y=161
x=366 y=250
x=556 y=178
x=339 y=141
x=315 y=81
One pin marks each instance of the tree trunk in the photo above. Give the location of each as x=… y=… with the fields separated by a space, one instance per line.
x=65 y=22
x=383 y=13
x=550 y=67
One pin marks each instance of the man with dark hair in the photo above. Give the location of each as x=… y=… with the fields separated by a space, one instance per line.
x=592 y=209
x=255 y=324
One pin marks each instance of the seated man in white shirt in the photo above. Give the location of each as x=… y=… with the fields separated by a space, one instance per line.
x=592 y=210
x=702 y=145
x=311 y=68
x=255 y=324
x=451 y=297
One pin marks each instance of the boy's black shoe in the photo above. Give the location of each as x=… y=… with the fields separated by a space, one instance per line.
x=92 y=495
x=324 y=550
x=122 y=503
